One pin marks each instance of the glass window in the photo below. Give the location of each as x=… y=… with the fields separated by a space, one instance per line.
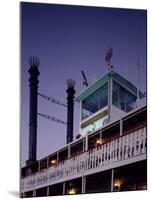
x=95 y=101
x=122 y=98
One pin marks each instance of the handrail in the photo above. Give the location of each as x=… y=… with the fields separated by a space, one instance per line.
x=124 y=147
x=91 y=148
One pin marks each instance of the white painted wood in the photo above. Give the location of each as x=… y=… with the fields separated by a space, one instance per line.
x=48 y=191
x=121 y=127
x=112 y=180
x=64 y=188
x=47 y=162
x=120 y=151
x=86 y=142
x=57 y=156
x=80 y=116
x=83 y=184
x=69 y=151
x=34 y=193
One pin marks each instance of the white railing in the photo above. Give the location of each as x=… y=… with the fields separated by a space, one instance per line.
x=123 y=148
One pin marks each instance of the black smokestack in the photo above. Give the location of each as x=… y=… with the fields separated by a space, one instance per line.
x=70 y=103
x=33 y=84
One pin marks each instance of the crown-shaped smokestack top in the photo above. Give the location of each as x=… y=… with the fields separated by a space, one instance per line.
x=71 y=83
x=34 y=62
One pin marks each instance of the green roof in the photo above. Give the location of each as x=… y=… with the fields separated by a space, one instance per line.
x=102 y=80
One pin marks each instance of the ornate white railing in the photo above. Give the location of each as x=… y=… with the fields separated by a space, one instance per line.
x=124 y=148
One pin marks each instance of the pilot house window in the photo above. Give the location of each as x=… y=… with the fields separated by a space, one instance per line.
x=96 y=101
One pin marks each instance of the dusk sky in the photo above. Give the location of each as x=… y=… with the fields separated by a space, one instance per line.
x=68 y=39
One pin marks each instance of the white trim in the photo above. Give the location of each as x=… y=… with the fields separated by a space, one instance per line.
x=96 y=160
x=112 y=180
x=121 y=127
x=64 y=188
x=93 y=115
x=93 y=171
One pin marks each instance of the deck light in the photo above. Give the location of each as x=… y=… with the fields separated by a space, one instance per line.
x=72 y=191
x=53 y=161
x=98 y=142
x=117 y=185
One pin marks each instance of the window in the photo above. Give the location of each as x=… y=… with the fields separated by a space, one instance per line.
x=122 y=98
x=95 y=102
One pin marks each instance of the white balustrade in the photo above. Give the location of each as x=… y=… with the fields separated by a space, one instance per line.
x=122 y=148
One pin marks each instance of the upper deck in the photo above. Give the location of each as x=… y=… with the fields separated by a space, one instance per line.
x=118 y=143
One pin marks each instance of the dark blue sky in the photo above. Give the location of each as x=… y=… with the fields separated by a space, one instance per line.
x=67 y=39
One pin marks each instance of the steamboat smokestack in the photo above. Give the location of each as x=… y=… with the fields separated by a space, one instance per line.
x=33 y=84
x=70 y=109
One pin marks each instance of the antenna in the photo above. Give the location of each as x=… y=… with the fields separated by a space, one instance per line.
x=85 y=82
x=108 y=57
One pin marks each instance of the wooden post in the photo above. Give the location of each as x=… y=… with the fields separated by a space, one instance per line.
x=121 y=127
x=64 y=188
x=48 y=191
x=47 y=162
x=57 y=156
x=83 y=141
x=34 y=193
x=109 y=97
x=112 y=180
x=83 y=184
x=86 y=142
x=24 y=194
x=69 y=152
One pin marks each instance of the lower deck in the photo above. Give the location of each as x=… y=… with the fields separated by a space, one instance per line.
x=130 y=177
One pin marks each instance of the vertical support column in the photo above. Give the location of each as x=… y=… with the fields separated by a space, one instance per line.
x=112 y=180
x=121 y=127
x=34 y=193
x=47 y=162
x=86 y=142
x=57 y=156
x=83 y=184
x=83 y=141
x=134 y=187
x=80 y=116
x=69 y=151
x=48 y=191
x=64 y=188
x=111 y=91
x=109 y=97
x=39 y=165
x=100 y=135
x=24 y=195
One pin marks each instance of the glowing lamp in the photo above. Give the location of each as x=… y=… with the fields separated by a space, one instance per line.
x=72 y=191
x=98 y=142
x=117 y=184
x=53 y=161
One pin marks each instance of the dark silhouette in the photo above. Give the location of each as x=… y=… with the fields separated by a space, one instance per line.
x=33 y=84
x=70 y=109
